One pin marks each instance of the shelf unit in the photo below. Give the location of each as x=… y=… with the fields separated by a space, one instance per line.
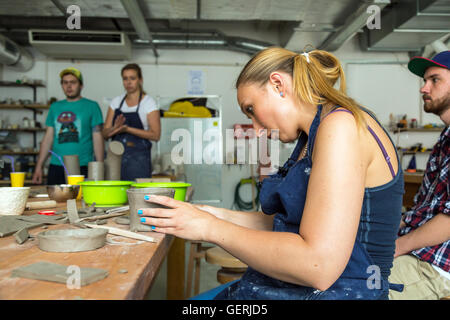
x=34 y=107
x=402 y=152
x=14 y=153
x=434 y=129
x=24 y=129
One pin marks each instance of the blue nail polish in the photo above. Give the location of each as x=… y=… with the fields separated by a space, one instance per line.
x=142 y=219
x=146 y=197
x=153 y=227
x=139 y=211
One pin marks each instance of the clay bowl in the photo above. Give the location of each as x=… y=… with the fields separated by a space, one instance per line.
x=72 y=240
x=13 y=200
x=63 y=192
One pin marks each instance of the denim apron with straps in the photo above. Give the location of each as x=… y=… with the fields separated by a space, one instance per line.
x=136 y=160
x=284 y=194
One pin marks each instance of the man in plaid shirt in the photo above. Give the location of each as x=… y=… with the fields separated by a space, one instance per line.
x=422 y=254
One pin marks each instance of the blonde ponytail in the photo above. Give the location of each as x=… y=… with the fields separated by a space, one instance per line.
x=314 y=76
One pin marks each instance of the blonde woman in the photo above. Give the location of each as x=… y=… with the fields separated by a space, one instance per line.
x=133 y=119
x=331 y=213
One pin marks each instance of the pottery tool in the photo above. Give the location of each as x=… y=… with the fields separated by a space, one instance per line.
x=40 y=205
x=72 y=211
x=47 y=212
x=45 y=219
x=115 y=210
x=42 y=195
x=112 y=214
x=123 y=233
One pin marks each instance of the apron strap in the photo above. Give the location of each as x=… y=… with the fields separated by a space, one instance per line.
x=396 y=287
x=121 y=102
x=139 y=102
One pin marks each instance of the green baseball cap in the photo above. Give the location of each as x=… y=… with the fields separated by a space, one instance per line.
x=418 y=65
x=74 y=71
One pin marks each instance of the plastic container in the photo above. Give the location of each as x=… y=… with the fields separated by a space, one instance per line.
x=106 y=193
x=179 y=187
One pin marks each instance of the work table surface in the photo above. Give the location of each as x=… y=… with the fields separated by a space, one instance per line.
x=141 y=259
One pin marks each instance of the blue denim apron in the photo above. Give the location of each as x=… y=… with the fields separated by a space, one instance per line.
x=136 y=159
x=284 y=194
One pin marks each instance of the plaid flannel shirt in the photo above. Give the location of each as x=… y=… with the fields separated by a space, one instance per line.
x=431 y=199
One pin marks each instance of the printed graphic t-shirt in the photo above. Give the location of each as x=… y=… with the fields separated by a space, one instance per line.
x=73 y=123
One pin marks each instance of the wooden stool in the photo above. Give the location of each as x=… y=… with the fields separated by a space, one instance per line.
x=196 y=254
x=232 y=268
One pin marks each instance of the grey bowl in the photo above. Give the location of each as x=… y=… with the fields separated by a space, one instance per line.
x=63 y=192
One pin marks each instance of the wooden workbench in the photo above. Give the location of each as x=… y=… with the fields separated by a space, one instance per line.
x=142 y=261
x=412 y=185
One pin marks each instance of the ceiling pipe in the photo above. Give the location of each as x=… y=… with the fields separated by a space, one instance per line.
x=14 y=56
x=138 y=21
x=212 y=41
x=439 y=46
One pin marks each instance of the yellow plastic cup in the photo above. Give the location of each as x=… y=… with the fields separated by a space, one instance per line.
x=17 y=179
x=74 y=180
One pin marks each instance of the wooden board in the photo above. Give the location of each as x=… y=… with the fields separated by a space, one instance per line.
x=141 y=259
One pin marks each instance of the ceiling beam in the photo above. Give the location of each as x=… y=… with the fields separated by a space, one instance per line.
x=138 y=21
x=59 y=6
x=352 y=25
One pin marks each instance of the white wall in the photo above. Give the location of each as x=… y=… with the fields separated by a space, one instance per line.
x=373 y=80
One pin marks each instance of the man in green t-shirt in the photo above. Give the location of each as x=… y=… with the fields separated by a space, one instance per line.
x=74 y=127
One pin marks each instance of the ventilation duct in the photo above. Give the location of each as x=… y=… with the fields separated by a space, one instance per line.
x=410 y=25
x=81 y=44
x=14 y=56
x=213 y=41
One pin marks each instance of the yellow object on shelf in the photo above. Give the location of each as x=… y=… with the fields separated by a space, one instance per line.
x=186 y=109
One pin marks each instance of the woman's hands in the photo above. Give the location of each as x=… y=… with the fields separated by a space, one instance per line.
x=119 y=125
x=180 y=219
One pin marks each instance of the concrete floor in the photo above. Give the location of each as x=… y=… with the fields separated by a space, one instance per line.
x=208 y=278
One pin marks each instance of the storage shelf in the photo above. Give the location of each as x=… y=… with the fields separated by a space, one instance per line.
x=24 y=129
x=32 y=106
x=26 y=182
x=413 y=177
x=414 y=152
x=15 y=84
x=9 y=152
x=35 y=107
x=417 y=130
x=8 y=182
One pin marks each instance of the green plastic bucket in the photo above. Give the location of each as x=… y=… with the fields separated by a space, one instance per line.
x=106 y=193
x=179 y=187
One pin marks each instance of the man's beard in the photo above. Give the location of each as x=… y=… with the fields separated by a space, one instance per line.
x=438 y=106
x=74 y=95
